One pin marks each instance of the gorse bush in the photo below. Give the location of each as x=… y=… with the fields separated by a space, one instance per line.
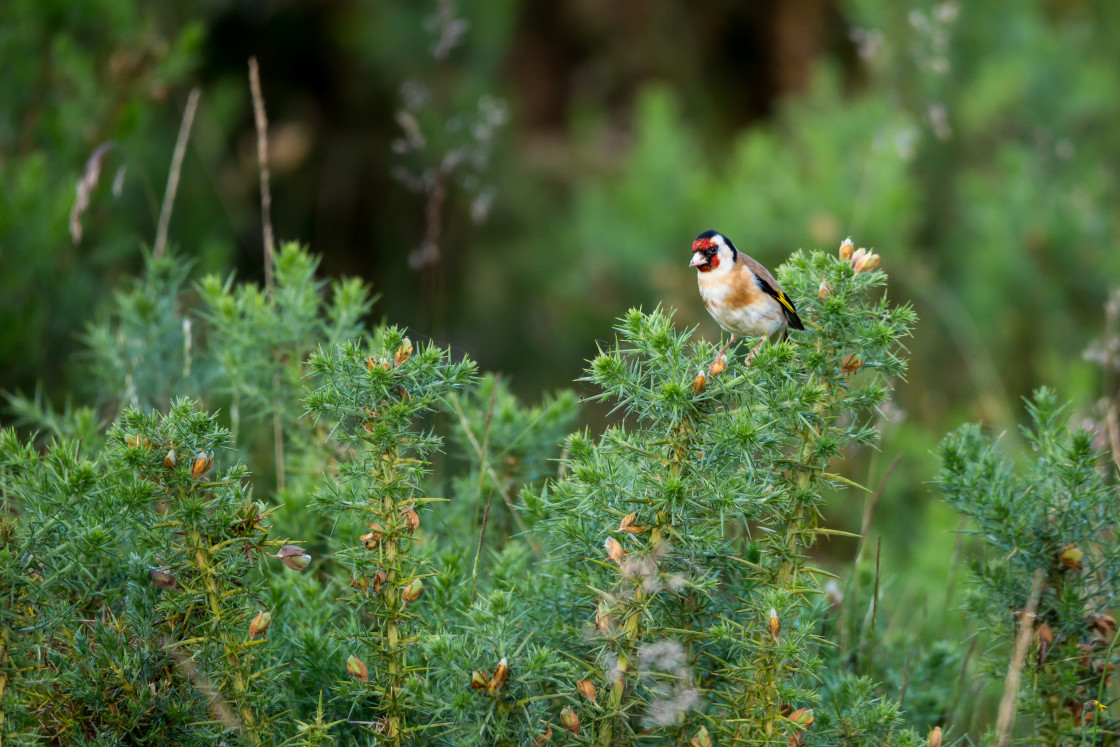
x=1050 y=533
x=254 y=538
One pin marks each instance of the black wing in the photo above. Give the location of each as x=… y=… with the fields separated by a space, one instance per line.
x=787 y=305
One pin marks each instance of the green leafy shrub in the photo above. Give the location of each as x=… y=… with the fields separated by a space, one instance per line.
x=1052 y=518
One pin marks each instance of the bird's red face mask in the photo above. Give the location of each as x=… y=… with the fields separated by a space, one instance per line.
x=704 y=255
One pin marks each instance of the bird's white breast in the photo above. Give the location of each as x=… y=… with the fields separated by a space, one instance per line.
x=761 y=317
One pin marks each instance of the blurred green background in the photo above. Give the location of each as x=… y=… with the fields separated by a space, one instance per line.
x=511 y=176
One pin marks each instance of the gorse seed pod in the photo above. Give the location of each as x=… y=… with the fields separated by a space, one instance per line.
x=201 y=464
x=846 y=248
x=163 y=579
x=171 y=461
x=135 y=441
x=1104 y=626
x=869 y=262
x=628 y=526
x=373 y=537
x=824 y=290
x=775 y=624
x=357 y=669
x=699 y=384
x=614 y=550
x=479 y=680
x=501 y=674
x=701 y=739
x=544 y=738
x=602 y=622
x=570 y=720
x=404 y=352
x=718 y=365
x=851 y=363
x=413 y=591
x=586 y=689
x=294 y=557
x=411 y=519
x=935 y=737
x=260 y=623
x=802 y=717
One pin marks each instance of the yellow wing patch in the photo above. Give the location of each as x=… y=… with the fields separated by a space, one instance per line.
x=785 y=302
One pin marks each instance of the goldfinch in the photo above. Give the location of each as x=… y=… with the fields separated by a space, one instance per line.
x=740 y=294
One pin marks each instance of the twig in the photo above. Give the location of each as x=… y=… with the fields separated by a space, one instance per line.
x=873 y=503
x=506 y=498
x=1112 y=423
x=874 y=607
x=961 y=680
x=1015 y=670
x=954 y=565
x=261 y=120
x=484 y=457
x=481 y=538
x=173 y=174
x=219 y=709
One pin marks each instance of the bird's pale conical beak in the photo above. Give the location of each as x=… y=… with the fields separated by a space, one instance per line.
x=698 y=259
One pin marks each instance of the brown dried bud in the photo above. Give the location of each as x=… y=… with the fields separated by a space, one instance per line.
x=378 y=579
x=846 y=248
x=163 y=579
x=357 y=669
x=570 y=720
x=868 y=263
x=851 y=363
x=260 y=623
x=701 y=739
x=718 y=365
x=294 y=557
x=775 y=624
x=501 y=674
x=371 y=539
x=1071 y=556
x=544 y=738
x=1103 y=625
x=802 y=717
x=614 y=550
x=479 y=680
x=404 y=395
x=171 y=461
x=135 y=441
x=201 y=464
x=602 y=622
x=403 y=352
x=587 y=689
x=935 y=737
x=361 y=583
x=699 y=384
x=413 y=591
x=824 y=290
x=628 y=526
x=411 y=518
x=857 y=257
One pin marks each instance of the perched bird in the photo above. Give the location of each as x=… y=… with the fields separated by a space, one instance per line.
x=740 y=294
